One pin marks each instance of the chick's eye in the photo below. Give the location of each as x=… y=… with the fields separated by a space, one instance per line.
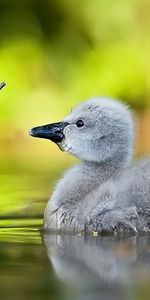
x=80 y=123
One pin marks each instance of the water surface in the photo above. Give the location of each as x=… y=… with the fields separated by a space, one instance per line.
x=41 y=266
x=50 y=266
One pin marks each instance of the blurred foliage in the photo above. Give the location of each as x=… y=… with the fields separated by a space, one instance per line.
x=62 y=51
x=54 y=54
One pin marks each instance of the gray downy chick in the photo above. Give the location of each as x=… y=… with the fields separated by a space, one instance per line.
x=105 y=191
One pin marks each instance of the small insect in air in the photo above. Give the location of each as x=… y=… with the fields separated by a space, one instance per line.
x=2 y=85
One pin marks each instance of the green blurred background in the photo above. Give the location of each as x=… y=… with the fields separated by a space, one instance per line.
x=54 y=54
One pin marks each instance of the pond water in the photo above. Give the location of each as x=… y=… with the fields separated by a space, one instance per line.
x=41 y=266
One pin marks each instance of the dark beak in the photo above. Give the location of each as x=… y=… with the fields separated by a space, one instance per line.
x=53 y=132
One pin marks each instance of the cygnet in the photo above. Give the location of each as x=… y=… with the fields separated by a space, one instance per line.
x=105 y=191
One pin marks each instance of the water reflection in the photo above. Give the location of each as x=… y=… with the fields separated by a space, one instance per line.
x=24 y=269
x=101 y=267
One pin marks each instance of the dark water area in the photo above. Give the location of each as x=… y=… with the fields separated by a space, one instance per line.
x=34 y=265
x=45 y=266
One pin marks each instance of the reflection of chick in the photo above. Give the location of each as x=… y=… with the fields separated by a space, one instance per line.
x=100 y=267
x=103 y=192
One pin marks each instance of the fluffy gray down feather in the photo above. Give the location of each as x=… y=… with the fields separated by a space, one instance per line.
x=105 y=191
